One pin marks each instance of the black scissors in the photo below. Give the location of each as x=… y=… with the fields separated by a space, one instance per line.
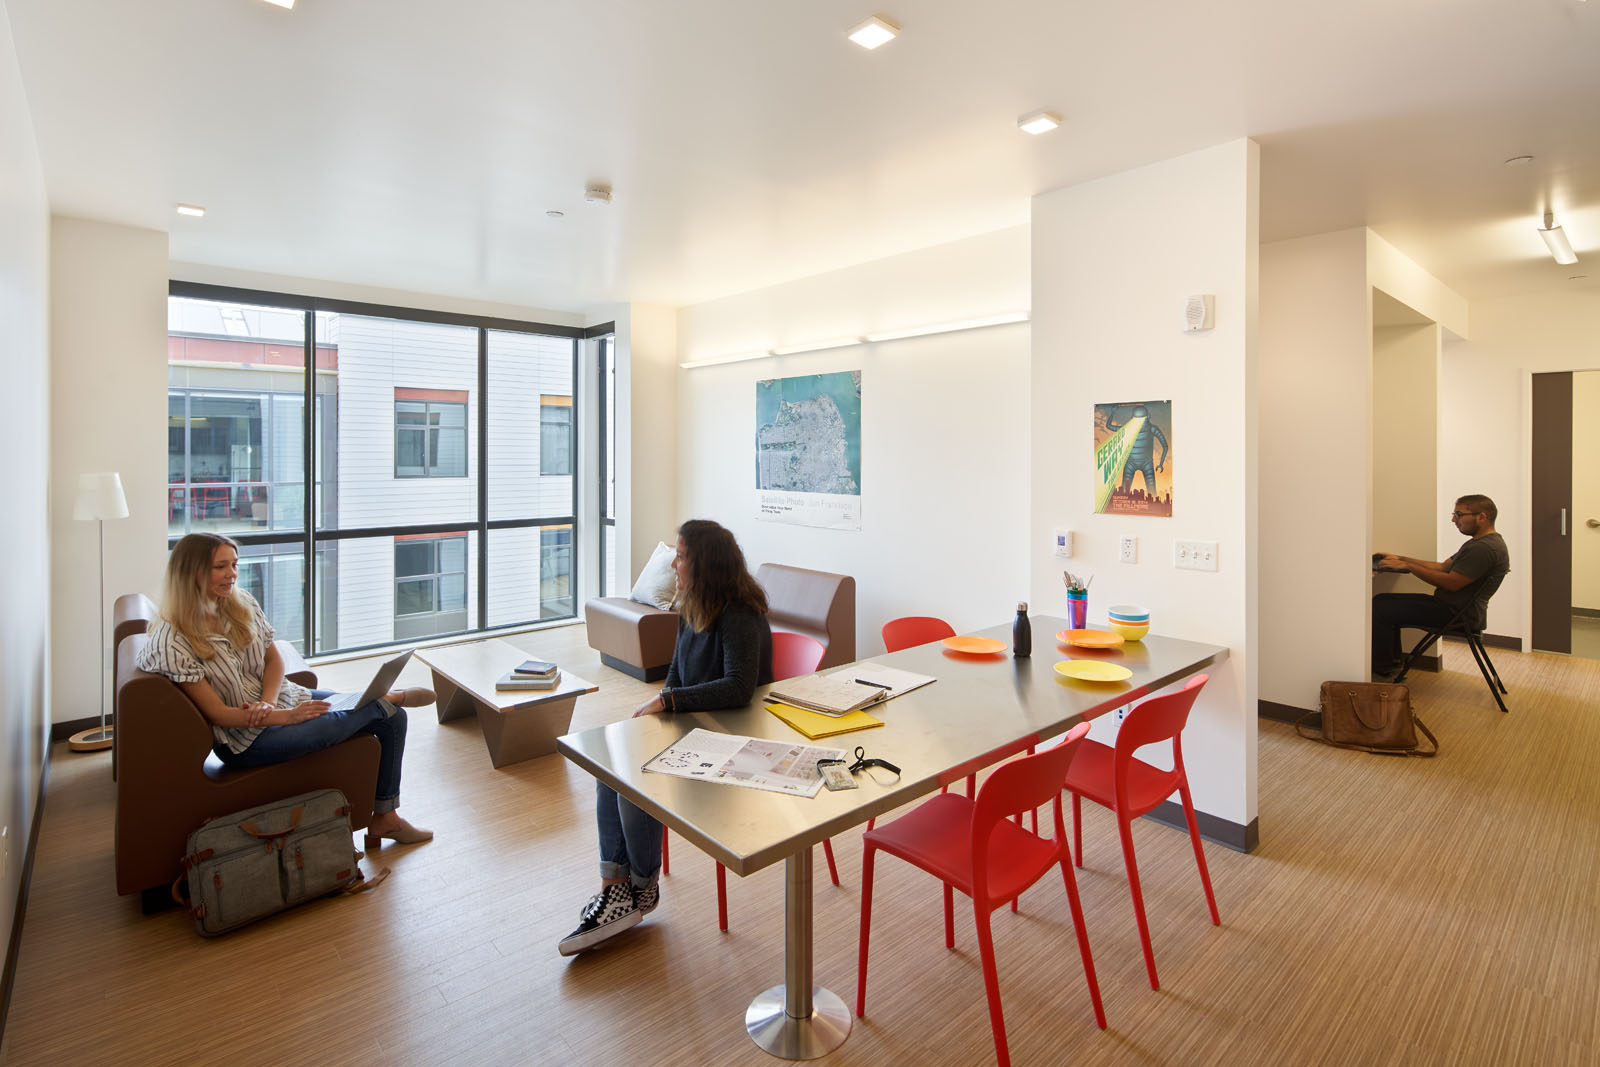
x=862 y=762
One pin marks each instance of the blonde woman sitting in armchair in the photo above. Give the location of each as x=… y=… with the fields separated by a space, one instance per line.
x=214 y=641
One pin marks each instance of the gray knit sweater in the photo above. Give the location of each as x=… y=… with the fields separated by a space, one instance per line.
x=720 y=667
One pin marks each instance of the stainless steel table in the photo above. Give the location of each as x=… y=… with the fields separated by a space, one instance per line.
x=978 y=704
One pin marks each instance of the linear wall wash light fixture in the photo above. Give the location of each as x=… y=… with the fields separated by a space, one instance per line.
x=871 y=338
x=1555 y=239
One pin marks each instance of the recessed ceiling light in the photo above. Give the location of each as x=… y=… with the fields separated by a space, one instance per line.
x=1039 y=122
x=194 y=211
x=556 y=214
x=875 y=31
x=282 y=3
x=1517 y=161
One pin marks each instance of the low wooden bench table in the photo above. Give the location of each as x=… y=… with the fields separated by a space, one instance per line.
x=517 y=724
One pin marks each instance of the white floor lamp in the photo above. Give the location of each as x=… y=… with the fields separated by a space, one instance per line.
x=99 y=498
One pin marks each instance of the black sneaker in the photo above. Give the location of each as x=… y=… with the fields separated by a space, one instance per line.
x=608 y=912
x=647 y=898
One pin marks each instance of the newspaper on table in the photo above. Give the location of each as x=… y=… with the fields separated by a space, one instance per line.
x=731 y=759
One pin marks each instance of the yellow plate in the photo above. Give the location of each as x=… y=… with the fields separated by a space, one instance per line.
x=1093 y=670
x=1089 y=638
x=975 y=646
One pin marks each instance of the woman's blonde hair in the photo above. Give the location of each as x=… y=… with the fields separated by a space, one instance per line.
x=718 y=578
x=183 y=600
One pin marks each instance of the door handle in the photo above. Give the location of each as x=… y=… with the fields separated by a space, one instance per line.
x=1592 y=523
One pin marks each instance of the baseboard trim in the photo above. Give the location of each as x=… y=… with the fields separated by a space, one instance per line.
x=9 y=975
x=1268 y=709
x=1587 y=613
x=1216 y=830
x=1501 y=641
x=61 y=731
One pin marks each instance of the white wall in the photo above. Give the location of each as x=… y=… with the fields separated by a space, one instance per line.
x=1405 y=447
x=1585 y=490
x=1484 y=431
x=282 y=283
x=944 y=440
x=108 y=303
x=1113 y=261
x=1316 y=340
x=647 y=433
x=25 y=550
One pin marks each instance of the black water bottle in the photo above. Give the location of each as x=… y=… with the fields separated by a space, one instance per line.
x=1022 y=632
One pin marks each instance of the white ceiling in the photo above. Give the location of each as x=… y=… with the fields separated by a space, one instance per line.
x=417 y=145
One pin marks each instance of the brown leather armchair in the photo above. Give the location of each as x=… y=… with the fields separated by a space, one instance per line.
x=169 y=781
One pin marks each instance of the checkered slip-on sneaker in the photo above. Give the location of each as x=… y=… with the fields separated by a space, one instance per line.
x=609 y=912
x=646 y=898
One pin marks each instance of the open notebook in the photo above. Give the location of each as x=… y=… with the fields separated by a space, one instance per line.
x=847 y=689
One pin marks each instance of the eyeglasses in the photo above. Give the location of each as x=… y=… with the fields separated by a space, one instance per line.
x=1463 y=514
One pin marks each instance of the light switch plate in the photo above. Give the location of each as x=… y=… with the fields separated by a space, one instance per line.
x=1062 y=544
x=1194 y=555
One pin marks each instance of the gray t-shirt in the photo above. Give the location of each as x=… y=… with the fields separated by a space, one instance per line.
x=1482 y=557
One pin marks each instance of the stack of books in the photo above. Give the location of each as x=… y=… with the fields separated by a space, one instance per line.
x=532 y=674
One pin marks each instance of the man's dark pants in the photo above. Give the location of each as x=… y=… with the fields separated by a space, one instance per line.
x=1391 y=612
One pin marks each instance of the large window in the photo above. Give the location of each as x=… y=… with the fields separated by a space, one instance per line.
x=440 y=451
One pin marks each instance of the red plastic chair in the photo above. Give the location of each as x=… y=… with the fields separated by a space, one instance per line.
x=970 y=845
x=1130 y=787
x=914 y=630
x=792 y=656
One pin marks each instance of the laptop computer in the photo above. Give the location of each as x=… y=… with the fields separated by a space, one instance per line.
x=381 y=683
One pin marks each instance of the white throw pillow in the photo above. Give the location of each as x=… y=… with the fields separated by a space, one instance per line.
x=657 y=586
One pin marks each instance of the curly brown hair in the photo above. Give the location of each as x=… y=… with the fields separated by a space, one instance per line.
x=718 y=578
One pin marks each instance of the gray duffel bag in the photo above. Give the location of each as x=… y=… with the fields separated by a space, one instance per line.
x=242 y=867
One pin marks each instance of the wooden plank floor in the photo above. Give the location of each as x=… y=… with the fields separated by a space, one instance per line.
x=1398 y=911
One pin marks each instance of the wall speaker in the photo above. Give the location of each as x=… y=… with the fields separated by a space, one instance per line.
x=1200 y=313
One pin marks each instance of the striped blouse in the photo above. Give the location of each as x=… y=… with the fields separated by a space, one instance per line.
x=235 y=673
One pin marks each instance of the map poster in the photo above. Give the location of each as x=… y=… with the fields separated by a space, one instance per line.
x=1133 y=458
x=808 y=450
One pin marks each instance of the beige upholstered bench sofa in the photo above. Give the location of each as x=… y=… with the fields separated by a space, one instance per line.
x=637 y=639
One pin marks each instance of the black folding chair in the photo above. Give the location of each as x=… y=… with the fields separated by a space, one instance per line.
x=1458 y=626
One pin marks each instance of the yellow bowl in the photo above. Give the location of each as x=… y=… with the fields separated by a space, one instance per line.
x=1130 y=631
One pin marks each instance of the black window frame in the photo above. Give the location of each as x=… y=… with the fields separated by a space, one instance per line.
x=313 y=535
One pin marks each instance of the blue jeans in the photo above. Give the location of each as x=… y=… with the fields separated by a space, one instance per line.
x=278 y=744
x=630 y=840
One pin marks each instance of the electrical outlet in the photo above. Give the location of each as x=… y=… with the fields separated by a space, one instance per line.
x=1194 y=555
x=1129 y=552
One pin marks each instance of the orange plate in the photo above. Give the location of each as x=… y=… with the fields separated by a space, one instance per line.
x=1089 y=638
x=974 y=646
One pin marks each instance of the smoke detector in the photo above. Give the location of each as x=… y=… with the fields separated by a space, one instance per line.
x=597 y=194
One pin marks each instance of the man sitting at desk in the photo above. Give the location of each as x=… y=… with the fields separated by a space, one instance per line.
x=1455 y=583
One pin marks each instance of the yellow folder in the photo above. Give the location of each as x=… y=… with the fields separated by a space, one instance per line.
x=817 y=726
